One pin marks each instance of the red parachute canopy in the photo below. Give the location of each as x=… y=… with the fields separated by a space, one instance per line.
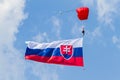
x=82 y=13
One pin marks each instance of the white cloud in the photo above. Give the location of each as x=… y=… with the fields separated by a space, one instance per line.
x=41 y=37
x=107 y=9
x=44 y=72
x=97 y=32
x=76 y=30
x=12 y=64
x=87 y=2
x=57 y=26
x=11 y=15
x=116 y=41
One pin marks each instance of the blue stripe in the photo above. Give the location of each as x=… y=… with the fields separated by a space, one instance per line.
x=52 y=52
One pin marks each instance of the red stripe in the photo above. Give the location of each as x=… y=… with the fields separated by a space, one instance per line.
x=74 y=61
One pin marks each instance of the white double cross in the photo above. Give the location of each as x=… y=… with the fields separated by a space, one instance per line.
x=66 y=49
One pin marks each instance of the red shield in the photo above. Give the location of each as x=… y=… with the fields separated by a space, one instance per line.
x=66 y=51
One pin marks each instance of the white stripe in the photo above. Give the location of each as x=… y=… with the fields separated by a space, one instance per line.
x=75 y=42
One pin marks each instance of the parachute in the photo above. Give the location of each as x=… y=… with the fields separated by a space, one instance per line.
x=82 y=13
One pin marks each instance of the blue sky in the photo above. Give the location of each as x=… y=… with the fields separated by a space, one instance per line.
x=42 y=21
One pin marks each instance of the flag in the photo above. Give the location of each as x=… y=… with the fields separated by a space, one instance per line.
x=65 y=52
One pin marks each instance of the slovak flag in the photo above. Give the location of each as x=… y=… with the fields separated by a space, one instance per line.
x=65 y=52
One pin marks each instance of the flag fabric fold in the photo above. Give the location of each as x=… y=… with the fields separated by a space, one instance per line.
x=64 y=52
